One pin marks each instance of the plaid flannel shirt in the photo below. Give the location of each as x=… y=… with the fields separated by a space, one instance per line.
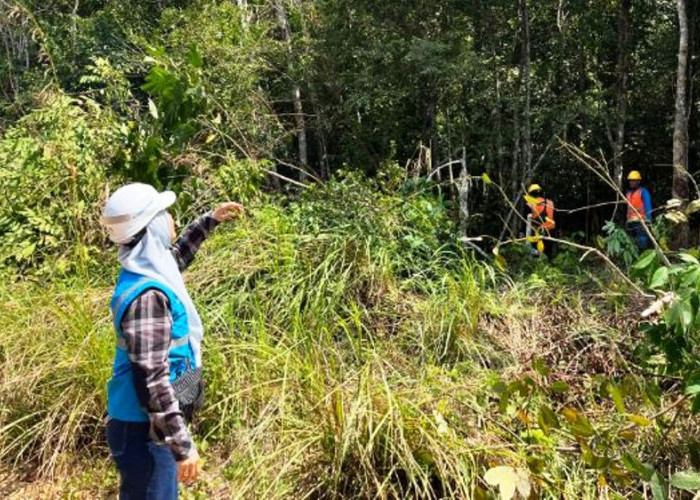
x=146 y=325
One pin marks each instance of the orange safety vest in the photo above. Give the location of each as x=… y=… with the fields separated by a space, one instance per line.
x=543 y=214
x=634 y=199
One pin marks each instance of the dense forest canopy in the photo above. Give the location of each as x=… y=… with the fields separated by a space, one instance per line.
x=376 y=324
x=317 y=86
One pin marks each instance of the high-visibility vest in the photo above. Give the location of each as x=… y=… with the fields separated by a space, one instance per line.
x=635 y=199
x=122 y=401
x=543 y=214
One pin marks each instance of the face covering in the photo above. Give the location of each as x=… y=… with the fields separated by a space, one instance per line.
x=151 y=257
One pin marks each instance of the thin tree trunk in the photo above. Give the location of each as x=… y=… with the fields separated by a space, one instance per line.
x=246 y=15
x=74 y=22
x=515 y=171
x=496 y=111
x=680 y=123
x=622 y=70
x=463 y=187
x=525 y=65
x=299 y=119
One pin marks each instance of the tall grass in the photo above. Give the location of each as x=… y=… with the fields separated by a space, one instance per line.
x=349 y=354
x=55 y=357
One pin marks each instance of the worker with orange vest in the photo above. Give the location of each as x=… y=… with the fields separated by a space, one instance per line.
x=541 y=218
x=638 y=210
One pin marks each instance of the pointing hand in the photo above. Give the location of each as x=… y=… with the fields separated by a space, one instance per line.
x=227 y=211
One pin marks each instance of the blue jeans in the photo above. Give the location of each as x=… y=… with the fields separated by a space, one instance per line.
x=148 y=471
x=638 y=234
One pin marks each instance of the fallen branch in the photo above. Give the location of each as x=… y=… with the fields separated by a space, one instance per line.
x=661 y=412
x=588 y=250
x=603 y=174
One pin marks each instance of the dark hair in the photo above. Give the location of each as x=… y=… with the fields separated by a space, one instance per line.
x=135 y=240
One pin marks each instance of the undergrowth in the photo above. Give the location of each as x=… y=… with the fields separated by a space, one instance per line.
x=353 y=351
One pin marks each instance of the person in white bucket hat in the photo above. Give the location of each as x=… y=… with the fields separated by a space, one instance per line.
x=156 y=377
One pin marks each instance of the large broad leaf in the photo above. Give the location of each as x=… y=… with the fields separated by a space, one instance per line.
x=659 y=490
x=688 y=480
x=660 y=279
x=679 y=316
x=686 y=257
x=691 y=277
x=695 y=407
x=693 y=385
x=646 y=260
x=633 y=464
x=508 y=480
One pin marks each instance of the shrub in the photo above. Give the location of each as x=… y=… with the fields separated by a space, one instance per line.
x=52 y=178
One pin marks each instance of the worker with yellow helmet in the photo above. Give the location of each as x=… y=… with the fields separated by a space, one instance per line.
x=540 y=218
x=638 y=210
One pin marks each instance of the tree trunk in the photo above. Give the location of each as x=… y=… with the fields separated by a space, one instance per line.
x=245 y=14
x=515 y=179
x=622 y=70
x=463 y=187
x=299 y=119
x=525 y=68
x=680 y=123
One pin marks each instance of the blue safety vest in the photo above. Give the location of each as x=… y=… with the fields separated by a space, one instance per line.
x=122 y=402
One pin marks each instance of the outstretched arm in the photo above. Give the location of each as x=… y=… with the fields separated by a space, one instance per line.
x=192 y=237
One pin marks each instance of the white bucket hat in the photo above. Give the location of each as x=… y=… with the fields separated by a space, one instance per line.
x=131 y=208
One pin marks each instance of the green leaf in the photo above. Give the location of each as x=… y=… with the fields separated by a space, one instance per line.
x=695 y=407
x=194 y=57
x=579 y=425
x=616 y=396
x=693 y=389
x=639 y=420
x=679 y=316
x=646 y=260
x=659 y=279
x=540 y=367
x=691 y=277
x=486 y=179
x=686 y=257
x=547 y=419
x=559 y=387
x=500 y=262
x=688 y=480
x=658 y=487
x=633 y=464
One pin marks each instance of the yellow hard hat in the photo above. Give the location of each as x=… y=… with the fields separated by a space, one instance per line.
x=634 y=175
x=533 y=188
